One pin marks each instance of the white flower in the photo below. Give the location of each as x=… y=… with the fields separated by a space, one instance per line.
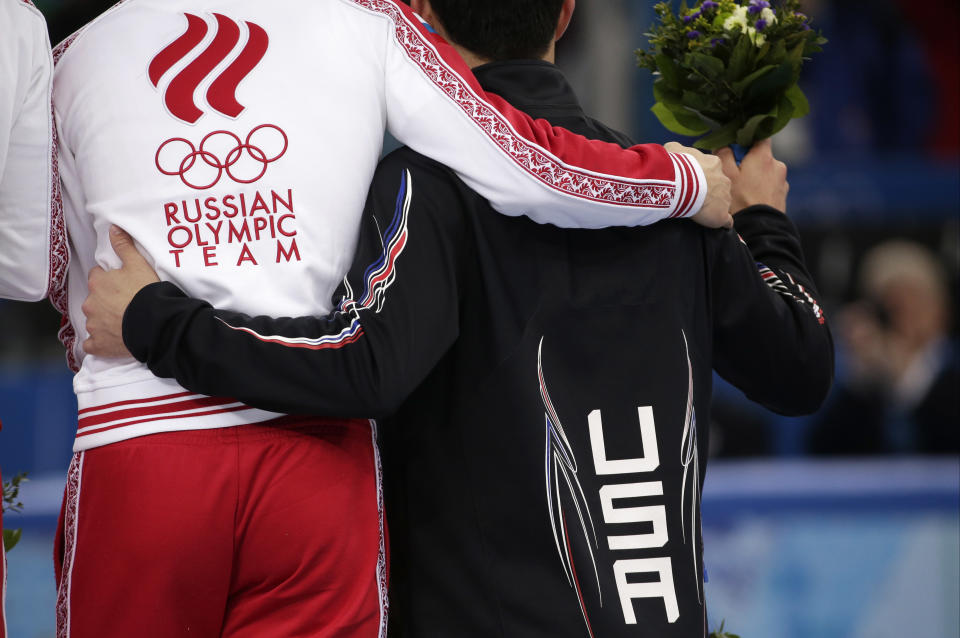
x=768 y=15
x=755 y=36
x=737 y=19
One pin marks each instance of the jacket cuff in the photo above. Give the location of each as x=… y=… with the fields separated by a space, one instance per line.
x=144 y=317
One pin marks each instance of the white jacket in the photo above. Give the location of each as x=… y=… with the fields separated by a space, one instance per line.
x=235 y=141
x=29 y=193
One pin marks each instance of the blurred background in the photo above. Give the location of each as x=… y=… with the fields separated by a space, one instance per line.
x=842 y=524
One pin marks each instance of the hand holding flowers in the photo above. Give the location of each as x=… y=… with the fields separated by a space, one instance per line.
x=728 y=70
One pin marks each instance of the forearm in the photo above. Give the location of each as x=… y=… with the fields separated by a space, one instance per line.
x=520 y=165
x=771 y=335
x=312 y=365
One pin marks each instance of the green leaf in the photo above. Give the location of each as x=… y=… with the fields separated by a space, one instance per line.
x=740 y=59
x=777 y=54
x=675 y=123
x=769 y=84
x=10 y=538
x=796 y=54
x=799 y=101
x=745 y=136
x=663 y=92
x=724 y=136
x=764 y=50
x=708 y=65
x=668 y=70
x=698 y=101
x=720 y=633
x=741 y=85
x=711 y=122
x=691 y=118
x=11 y=490
x=782 y=114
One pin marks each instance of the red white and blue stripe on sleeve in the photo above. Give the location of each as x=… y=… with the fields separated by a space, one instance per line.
x=378 y=278
x=799 y=294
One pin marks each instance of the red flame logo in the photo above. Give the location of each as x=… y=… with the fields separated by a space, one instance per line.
x=222 y=94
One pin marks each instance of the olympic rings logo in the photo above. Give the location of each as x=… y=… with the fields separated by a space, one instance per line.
x=243 y=161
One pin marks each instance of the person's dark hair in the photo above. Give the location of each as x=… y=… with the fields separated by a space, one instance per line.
x=500 y=29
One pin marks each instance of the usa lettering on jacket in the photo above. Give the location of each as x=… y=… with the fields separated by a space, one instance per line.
x=653 y=515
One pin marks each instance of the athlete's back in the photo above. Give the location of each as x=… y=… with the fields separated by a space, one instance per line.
x=235 y=143
x=235 y=147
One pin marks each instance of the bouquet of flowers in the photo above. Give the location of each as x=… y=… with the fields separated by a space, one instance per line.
x=10 y=503
x=728 y=70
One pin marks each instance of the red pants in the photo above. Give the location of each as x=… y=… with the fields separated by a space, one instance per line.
x=251 y=531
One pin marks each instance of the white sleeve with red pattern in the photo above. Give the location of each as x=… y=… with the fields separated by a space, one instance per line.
x=28 y=182
x=520 y=165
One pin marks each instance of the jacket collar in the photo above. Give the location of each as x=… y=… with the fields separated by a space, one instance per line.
x=534 y=86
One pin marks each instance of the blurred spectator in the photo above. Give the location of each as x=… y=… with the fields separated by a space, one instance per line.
x=897 y=385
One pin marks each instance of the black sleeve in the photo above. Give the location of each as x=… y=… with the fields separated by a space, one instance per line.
x=771 y=338
x=396 y=317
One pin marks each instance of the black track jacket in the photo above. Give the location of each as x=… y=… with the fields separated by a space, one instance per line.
x=546 y=391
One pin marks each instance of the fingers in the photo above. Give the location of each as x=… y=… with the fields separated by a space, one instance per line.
x=760 y=150
x=677 y=147
x=93 y=277
x=123 y=245
x=713 y=216
x=728 y=162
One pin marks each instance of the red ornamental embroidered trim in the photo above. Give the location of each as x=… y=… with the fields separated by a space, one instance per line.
x=71 y=504
x=495 y=126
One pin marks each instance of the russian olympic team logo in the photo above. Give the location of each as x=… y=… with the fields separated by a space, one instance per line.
x=240 y=46
x=222 y=153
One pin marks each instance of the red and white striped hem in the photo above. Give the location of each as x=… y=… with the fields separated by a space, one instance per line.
x=113 y=415
x=690 y=176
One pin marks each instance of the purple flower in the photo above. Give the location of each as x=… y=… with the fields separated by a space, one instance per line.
x=708 y=4
x=756 y=6
x=761 y=24
x=715 y=42
x=693 y=35
x=687 y=19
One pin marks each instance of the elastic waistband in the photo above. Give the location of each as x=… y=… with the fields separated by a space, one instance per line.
x=148 y=407
x=285 y=427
